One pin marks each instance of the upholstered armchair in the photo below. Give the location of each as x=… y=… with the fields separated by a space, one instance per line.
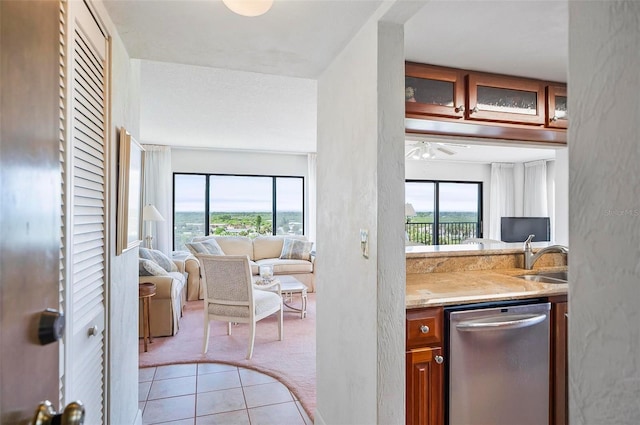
x=166 y=305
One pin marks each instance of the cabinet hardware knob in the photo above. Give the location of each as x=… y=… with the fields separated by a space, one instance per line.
x=93 y=330
x=460 y=108
x=474 y=110
x=439 y=359
x=424 y=329
x=554 y=118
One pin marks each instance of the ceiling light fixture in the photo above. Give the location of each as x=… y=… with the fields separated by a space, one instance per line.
x=249 y=7
x=428 y=150
x=423 y=151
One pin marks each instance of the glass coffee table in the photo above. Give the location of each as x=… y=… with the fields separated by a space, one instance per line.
x=289 y=286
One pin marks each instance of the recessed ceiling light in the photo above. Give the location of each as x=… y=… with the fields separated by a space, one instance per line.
x=249 y=7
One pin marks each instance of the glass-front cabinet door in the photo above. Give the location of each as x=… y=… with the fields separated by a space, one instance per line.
x=504 y=99
x=557 y=116
x=433 y=91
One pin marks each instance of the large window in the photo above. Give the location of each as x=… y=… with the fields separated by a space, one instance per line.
x=215 y=204
x=189 y=208
x=446 y=212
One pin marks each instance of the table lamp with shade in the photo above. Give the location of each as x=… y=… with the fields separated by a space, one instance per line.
x=409 y=211
x=149 y=215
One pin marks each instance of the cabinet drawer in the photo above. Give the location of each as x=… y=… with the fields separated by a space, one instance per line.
x=424 y=327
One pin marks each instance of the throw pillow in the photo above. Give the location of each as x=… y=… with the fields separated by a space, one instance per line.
x=296 y=249
x=150 y=268
x=209 y=246
x=159 y=258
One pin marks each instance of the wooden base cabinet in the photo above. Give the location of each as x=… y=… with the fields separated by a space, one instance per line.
x=425 y=368
x=425 y=365
x=424 y=387
x=559 y=369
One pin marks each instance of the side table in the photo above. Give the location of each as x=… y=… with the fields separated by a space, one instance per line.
x=146 y=290
x=289 y=285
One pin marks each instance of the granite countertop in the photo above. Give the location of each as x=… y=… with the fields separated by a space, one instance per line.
x=463 y=287
x=434 y=251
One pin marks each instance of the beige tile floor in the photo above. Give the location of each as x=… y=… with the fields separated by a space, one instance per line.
x=214 y=393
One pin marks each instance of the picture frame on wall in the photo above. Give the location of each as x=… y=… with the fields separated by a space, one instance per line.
x=129 y=209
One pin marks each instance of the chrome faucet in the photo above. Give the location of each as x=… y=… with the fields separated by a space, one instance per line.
x=530 y=258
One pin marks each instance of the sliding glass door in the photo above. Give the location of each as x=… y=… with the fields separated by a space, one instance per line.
x=420 y=227
x=445 y=212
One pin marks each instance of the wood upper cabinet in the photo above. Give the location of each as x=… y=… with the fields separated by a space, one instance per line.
x=424 y=387
x=458 y=102
x=435 y=91
x=557 y=115
x=425 y=367
x=505 y=99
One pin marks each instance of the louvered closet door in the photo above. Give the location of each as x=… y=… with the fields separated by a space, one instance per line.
x=86 y=228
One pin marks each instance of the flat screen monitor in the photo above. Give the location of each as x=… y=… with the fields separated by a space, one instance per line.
x=517 y=229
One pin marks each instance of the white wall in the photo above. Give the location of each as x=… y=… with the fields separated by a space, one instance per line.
x=604 y=203
x=230 y=162
x=360 y=326
x=194 y=106
x=122 y=291
x=347 y=336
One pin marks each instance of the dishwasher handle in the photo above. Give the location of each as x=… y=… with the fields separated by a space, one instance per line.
x=495 y=323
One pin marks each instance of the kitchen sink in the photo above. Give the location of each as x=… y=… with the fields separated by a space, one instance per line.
x=546 y=277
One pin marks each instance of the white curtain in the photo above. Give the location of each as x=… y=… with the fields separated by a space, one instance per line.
x=502 y=198
x=551 y=196
x=157 y=192
x=535 y=189
x=311 y=185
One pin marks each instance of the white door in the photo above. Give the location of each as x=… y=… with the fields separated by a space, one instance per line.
x=84 y=208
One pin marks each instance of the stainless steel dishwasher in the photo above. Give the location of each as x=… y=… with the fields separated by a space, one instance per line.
x=498 y=364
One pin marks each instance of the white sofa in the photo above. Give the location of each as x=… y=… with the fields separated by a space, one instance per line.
x=261 y=250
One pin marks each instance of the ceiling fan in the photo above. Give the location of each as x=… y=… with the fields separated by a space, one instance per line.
x=428 y=150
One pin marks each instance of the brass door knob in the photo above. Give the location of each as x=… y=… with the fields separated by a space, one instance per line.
x=73 y=414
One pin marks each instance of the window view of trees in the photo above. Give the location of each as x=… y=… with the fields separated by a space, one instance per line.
x=453 y=208
x=236 y=205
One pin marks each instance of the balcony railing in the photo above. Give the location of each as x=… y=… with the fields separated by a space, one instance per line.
x=450 y=233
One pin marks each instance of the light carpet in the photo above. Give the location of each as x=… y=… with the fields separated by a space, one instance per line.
x=292 y=361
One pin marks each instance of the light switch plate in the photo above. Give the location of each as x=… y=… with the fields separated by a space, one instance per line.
x=364 y=242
